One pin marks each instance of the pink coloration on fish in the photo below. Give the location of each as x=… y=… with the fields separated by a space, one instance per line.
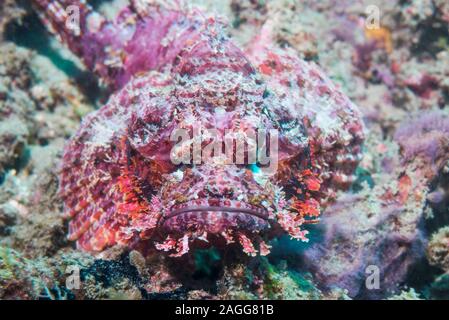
x=173 y=68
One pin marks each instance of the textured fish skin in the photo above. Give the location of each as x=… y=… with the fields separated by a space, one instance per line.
x=174 y=67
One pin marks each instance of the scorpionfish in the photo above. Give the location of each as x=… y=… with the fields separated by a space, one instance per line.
x=172 y=67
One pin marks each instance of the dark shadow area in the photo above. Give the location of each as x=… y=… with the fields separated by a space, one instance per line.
x=433 y=38
x=31 y=33
x=97 y=3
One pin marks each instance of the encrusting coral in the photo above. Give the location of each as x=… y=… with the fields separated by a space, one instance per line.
x=438 y=249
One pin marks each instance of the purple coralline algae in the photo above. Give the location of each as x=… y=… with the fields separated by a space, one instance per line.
x=381 y=227
x=426 y=140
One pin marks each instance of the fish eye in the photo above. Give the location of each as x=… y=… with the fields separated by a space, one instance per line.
x=254 y=167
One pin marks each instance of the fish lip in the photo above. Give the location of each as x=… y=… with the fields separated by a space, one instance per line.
x=262 y=214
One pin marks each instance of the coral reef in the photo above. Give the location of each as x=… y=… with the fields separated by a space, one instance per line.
x=411 y=294
x=381 y=225
x=10 y=11
x=424 y=141
x=438 y=249
x=392 y=220
x=22 y=278
x=368 y=230
x=16 y=104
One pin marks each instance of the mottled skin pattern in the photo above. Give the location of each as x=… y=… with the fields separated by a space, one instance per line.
x=173 y=67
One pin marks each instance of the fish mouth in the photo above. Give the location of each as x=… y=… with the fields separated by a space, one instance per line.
x=216 y=215
x=260 y=213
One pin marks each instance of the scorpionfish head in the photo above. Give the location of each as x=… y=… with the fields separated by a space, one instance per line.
x=211 y=150
x=223 y=162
